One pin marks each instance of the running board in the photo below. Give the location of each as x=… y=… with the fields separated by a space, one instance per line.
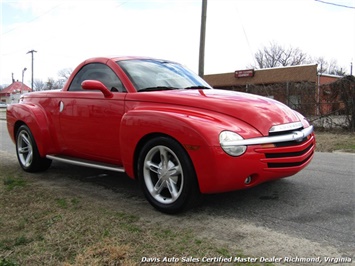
x=86 y=163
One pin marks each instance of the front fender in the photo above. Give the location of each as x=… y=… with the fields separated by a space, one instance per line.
x=197 y=132
x=35 y=118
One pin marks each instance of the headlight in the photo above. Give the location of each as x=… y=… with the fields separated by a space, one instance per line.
x=233 y=150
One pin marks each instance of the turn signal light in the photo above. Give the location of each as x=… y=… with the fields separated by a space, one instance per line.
x=269 y=145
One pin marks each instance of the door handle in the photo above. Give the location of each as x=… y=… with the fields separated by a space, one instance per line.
x=61 y=106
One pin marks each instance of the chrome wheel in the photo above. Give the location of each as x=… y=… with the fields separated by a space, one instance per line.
x=27 y=152
x=24 y=148
x=163 y=174
x=167 y=176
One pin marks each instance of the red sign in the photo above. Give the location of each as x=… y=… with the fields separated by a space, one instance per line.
x=244 y=73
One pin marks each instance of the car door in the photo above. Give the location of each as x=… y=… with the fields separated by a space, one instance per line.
x=89 y=122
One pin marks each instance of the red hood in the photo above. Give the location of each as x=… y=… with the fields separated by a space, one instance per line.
x=260 y=112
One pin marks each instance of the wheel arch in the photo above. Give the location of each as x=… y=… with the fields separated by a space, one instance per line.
x=139 y=127
x=147 y=138
x=139 y=147
x=35 y=119
x=17 y=125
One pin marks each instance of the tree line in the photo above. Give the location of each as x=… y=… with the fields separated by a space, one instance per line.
x=276 y=55
x=51 y=83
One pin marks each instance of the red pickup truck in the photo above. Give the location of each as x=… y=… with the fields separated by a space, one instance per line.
x=163 y=125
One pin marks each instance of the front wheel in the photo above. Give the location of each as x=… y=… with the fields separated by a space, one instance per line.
x=167 y=176
x=27 y=152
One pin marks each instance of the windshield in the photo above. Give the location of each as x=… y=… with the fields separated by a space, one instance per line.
x=151 y=74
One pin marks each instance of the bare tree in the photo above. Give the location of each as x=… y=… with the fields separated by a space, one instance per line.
x=322 y=64
x=65 y=73
x=275 y=56
x=50 y=84
x=331 y=67
x=53 y=84
x=293 y=57
x=334 y=69
x=38 y=84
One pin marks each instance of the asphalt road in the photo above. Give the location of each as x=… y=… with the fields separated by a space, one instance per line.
x=5 y=142
x=316 y=204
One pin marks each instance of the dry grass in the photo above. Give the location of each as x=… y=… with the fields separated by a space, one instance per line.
x=335 y=141
x=39 y=226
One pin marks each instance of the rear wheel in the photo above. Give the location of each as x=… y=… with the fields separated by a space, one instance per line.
x=27 y=152
x=167 y=176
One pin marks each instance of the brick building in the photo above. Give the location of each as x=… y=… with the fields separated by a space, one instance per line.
x=300 y=87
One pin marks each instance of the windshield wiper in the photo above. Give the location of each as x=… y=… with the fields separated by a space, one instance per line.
x=197 y=87
x=158 y=88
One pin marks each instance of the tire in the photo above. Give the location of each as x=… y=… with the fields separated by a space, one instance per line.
x=27 y=152
x=167 y=176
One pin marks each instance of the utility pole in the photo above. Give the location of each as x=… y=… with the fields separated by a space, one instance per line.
x=201 y=63
x=31 y=52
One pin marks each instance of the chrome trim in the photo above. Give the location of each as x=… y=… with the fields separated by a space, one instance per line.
x=286 y=127
x=61 y=106
x=86 y=163
x=294 y=136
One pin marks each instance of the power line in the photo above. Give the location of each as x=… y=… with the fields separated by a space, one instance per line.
x=334 y=4
x=246 y=36
x=33 y=19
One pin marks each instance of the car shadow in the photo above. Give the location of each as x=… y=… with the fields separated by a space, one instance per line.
x=115 y=181
x=264 y=196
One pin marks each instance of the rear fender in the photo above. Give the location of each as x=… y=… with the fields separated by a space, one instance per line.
x=35 y=118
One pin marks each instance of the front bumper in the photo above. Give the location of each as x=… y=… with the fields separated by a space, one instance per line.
x=266 y=159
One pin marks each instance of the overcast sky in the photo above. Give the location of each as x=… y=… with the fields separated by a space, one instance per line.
x=64 y=33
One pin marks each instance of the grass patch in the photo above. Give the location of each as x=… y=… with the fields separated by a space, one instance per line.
x=11 y=182
x=6 y=262
x=43 y=227
x=335 y=141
